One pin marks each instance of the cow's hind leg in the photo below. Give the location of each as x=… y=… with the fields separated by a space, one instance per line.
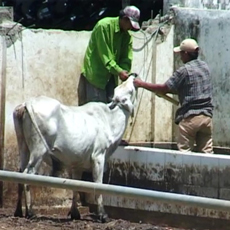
x=18 y=211
x=32 y=168
x=37 y=151
x=23 y=154
x=98 y=170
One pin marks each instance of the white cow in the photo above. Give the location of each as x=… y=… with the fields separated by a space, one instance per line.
x=77 y=138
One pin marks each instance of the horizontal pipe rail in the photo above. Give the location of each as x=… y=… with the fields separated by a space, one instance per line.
x=96 y=188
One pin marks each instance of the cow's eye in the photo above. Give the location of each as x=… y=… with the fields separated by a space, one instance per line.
x=117 y=100
x=123 y=100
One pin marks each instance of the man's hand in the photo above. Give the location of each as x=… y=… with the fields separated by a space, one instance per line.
x=137 y=82
x=123 y=75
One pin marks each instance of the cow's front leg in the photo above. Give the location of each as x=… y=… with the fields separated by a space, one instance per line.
x=28 y=202
x=18 y=212
x=98 y=170
x=74 y=212
x=86 y=176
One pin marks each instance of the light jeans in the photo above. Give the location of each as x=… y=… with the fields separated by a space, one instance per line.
x=195 y=129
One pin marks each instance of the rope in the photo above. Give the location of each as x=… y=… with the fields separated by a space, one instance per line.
x=146 y=39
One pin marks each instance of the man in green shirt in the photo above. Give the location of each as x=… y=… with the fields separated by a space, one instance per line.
x=108 y=56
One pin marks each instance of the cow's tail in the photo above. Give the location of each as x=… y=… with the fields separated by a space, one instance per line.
x=30 y=111
x=22 y=146
x=19 y=111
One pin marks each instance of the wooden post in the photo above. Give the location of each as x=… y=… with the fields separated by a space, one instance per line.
x=2 y=112
x=153 y=80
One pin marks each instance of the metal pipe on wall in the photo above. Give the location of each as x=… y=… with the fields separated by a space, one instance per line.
x=123 y=191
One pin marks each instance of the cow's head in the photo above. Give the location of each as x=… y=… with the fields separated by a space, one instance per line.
x=125 y=95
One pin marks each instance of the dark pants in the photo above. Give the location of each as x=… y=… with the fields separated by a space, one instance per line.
x=88 y=92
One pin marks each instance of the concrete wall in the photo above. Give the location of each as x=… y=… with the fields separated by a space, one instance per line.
x=39 y=63
x=48 y=62
x=200 y=4
x=211 y=28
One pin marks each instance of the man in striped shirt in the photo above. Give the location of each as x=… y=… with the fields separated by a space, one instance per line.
x=192 y=83
x=108 y=56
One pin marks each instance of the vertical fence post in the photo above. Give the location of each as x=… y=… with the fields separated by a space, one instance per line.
x=2 y=111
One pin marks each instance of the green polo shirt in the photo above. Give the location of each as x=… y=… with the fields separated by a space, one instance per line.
x=109 y=52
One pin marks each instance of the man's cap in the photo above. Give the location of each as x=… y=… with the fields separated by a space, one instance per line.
x=187 y=45
x=133 y=13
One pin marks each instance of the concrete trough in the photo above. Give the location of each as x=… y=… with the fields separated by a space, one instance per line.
x=196 y=174
x=156 y=186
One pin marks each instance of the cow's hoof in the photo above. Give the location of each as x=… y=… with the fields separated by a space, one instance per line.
x=74 y=215
x=30 y=215
x=103 y=218
x=18 y=213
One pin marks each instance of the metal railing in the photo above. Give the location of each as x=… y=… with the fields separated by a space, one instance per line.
x=96 y=188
